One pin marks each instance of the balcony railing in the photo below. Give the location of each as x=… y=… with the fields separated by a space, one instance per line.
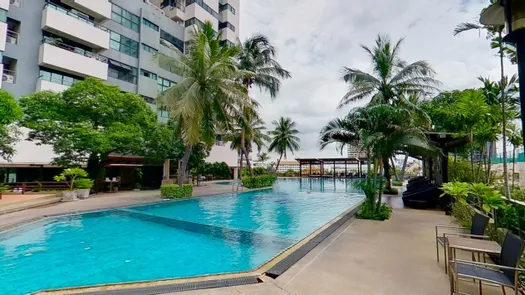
x=12 y=37
x=76 y=14
x=8 y=76
x=56 y=42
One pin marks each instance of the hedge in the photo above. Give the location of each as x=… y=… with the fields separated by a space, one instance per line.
x=258 y=181
x=174 y=191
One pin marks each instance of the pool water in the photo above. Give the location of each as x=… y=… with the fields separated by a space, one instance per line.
x=225 y=183
x=199 y=236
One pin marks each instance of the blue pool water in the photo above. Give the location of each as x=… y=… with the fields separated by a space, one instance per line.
x=200 y=236
x=225 y=183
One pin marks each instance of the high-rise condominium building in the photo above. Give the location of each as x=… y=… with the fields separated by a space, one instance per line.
x=51 y=44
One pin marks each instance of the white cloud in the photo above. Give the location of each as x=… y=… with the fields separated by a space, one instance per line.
x=316 y=38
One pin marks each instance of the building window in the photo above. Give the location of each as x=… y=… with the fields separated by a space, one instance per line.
x=148 y=99
x=57 y=78
x=148 y=74
x=226 y=25
x=226 y=6
x=147 y=23
x=226 y=43
x=3 y=15
x=163 y=112
x=201 y=3
x=125 y=18
x=124 y=44
x=164 y=84
x=122 y=71
x=193 y=21
x=149 y=48
x=172 y=40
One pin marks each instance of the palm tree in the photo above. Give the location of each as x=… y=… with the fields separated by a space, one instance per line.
x=516 y=139
x=284 y=138
x=209 y=95
x=257 y=57
x=263 y=157
x=381 y=130
x=391 y=77
x=495 y=34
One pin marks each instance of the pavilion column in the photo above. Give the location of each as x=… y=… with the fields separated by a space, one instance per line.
x=310 y=169
x=166 y=170
x=334 y=170
x=300 y=169
x=346 y=170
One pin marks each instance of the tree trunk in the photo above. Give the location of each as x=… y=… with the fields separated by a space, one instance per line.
x=386 y=166
x=241 y=165
x=94 y=169
x=489 y=162
x=248 y=163
x=380 y=194
x=480 y=163
x=278 y=162
x=513 y=164
x=394 y=166
x=504 y=119
x=184 y=165
x=403 y=169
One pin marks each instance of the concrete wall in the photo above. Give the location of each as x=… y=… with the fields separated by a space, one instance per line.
x=43 y=85
x=97 y=8
x=4 y=4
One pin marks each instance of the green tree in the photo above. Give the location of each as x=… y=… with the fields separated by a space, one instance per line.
x=263 y=157
x=284 y=138
x=391 y=77
x=257 y=59
x=209 y=95
x=90 y=121
x=10 y=113
x=495 y=35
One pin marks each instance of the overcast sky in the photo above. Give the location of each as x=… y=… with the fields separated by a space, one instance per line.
x=316 y=38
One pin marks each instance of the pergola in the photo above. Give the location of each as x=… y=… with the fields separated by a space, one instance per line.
x=330 y=161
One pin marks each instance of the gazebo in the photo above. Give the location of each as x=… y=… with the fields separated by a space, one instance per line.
x=308 y=162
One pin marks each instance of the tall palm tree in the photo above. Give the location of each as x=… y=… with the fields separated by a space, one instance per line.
x=381 y=130
x=391 y=76
x=209 y=95
x=495 y=34
x=516 y=139
x=284 y=138
x=263 y=157
x=257 y=57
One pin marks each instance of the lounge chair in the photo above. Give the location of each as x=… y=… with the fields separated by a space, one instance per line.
x=477 y=231
x=504 y=274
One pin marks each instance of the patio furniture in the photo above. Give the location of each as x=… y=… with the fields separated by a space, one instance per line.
x=504 y=274
x=477 y=231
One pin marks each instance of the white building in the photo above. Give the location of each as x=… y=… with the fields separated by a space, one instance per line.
x=51 y=44
x=288 y=165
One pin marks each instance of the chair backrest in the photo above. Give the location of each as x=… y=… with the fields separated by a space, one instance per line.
x=479 y=224
x=511 y=251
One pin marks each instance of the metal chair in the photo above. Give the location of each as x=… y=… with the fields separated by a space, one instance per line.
x=504 y=274
x=477 y=231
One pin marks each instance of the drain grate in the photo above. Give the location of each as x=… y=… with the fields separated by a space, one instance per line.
x=180 y=287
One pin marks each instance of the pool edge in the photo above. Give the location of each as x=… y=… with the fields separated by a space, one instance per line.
x=272 y=268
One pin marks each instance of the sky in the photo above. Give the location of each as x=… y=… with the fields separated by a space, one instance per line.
x=316 y=38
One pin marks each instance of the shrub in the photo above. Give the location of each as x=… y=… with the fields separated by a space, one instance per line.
x=70 y=175
x=84 y=183
x=397 y=182
x=390 y=191
x=174 y=191
x=381 y=213
x=258 y=181
x=463 y=214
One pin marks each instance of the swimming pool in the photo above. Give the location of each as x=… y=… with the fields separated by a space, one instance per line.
x=193 y=237
x=225 y=183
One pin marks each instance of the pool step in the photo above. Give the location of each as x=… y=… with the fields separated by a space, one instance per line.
x=28 y=204
x=225 y=233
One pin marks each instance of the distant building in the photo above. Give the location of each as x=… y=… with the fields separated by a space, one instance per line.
x=288 y=165
x=355 y=152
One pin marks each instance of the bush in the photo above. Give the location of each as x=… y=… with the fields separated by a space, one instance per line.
x=463 y=214
x=390 y=191
x=84 y=183
x=174 y=191
x=397 y=183
x=70 y=175
x=381 y=213
x=258 y=181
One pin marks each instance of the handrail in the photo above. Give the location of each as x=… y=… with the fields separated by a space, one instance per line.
x=75 y=13
x=13 y=34
x=77 y=50
x=9 y=72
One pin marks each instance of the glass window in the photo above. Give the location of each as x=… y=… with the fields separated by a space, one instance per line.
x=148 y=99
x=164 y=84
x=125 y=18
x=226 y=6
x=124 y=44
x=147 y=23
x=163 y=112
x=205 y=6
x=148 y=48
x=57 y=78
x=172 y=39
x=226 y=25
x=148 y=74
x=3 y=15
x=122 y=71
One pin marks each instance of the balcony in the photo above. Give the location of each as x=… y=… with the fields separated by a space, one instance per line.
x=12 y=37
x=73 y=60
x=100 y=9
x=44 y=85
x=175 y=12
x=74 y=25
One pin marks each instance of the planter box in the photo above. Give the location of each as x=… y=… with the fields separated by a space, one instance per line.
x=83 y=193
x=69 y=196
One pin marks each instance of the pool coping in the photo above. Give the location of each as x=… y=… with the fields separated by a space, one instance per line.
x=272 y=268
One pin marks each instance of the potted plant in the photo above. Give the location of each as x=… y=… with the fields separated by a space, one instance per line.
x=137 y=187
x=84 y=186
x=69 y=176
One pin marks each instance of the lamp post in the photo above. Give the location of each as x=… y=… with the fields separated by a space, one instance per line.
x=511 y=13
